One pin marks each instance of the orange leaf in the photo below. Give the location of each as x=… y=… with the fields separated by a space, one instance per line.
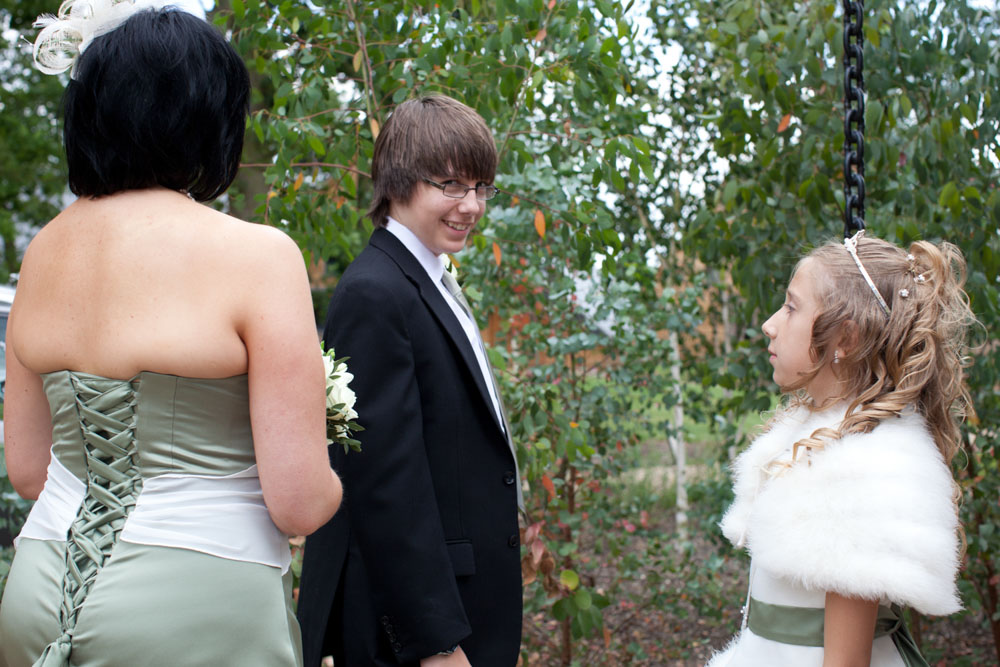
x=785 y=122
x=540 y=222
x=375 y=127
x=540 y=35
x=298 y=181
x=457 y=264
x=514 y=201
x=549 y=486
x=537 y=551
x=496 y=253
x=532 y=533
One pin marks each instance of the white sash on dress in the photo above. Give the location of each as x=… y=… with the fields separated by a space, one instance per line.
x=56 y=507
x=220 y=516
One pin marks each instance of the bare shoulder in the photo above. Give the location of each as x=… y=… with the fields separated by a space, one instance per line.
x=258 y=236
x=43 y=260
x=253 y=252
x=46 y=240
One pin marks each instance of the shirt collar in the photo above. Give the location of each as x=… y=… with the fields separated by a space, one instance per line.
x=433 y=264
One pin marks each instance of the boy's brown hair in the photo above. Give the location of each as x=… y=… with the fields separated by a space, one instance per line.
x=428 y=137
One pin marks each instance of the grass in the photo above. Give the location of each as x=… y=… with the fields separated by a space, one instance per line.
x=6 y=556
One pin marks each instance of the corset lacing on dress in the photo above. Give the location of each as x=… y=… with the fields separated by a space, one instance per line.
x=106 y=410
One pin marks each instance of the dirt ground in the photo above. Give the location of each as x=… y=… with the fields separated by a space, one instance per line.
x=681 y=637
x=673 y=642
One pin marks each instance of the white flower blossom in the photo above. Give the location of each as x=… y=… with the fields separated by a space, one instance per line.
x=338 y=393
x=340 y=399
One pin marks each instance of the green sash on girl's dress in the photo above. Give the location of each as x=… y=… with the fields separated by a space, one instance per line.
x=803 y=626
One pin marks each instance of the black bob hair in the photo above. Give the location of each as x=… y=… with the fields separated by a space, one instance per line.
x=160 y=101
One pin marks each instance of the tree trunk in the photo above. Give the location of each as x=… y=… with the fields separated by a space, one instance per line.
x=677 y=439
x=566 y=650
x=727 y=349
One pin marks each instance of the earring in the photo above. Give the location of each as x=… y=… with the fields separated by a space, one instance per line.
x=836 y=356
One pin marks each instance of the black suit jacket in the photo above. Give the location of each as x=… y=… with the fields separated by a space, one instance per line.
x=423 y=553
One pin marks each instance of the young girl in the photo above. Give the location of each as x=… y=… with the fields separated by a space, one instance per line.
x=846 y=503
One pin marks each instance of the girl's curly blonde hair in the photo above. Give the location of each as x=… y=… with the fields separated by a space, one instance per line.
x=914 y=357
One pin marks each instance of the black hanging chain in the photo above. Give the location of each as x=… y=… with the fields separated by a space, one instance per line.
x=854 y=117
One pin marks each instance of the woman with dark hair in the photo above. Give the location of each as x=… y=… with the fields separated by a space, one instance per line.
x=165 y=395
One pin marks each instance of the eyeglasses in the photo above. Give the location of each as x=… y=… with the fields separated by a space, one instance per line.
x=458 y=191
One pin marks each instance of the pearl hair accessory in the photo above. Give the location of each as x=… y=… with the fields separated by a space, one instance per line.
x=836 y=356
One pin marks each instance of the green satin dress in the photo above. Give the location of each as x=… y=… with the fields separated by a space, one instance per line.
x=95 y=599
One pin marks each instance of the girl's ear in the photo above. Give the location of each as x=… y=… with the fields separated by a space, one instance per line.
x=848 y=339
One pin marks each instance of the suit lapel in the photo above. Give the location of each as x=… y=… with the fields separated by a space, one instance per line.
x=432 y=297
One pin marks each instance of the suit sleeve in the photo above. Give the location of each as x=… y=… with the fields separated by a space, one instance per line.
x=389 y=494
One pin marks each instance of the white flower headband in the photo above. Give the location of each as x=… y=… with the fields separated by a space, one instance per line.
x=63 y=37
x=851 y=244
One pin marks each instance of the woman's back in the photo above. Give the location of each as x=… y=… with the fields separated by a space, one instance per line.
x=140 y=280
x=165 y=397
x=148 y=347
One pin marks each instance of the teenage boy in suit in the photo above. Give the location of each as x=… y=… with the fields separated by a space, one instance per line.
x=421 y=566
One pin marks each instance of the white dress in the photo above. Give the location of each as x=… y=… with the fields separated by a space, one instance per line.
x=868 y=516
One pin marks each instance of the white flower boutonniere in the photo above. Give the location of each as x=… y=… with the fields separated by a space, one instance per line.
x=340 y=398
x=451 y=266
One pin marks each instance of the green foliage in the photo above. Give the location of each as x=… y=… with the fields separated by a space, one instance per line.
x=32 y=169
x=762 y=83
x=641 y=198
x=6 y=557
x=537 y=73
x=572 y=297
x=13 y=511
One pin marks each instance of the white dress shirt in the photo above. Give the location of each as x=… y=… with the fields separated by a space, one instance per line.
x=434 y=266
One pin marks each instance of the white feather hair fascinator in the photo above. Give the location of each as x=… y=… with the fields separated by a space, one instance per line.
x=64 y=37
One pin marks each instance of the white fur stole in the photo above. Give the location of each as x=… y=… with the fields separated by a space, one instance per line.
x=868 y=516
